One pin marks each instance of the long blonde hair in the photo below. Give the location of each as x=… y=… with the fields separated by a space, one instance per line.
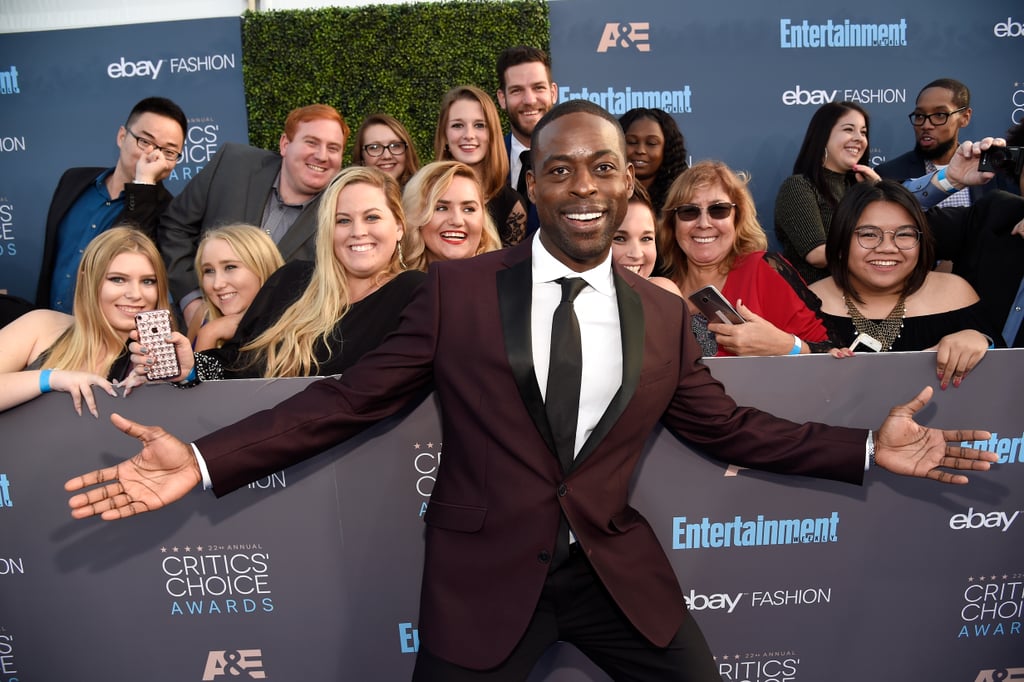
x=421 y=195
x=254 y=248
x=494 y=167
x=286 y=348
x=91 y=344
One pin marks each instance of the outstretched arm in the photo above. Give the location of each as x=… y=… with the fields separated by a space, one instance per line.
x=161 y=473
x=904 y=447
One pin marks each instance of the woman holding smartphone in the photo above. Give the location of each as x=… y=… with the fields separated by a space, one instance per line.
x=121 y=274
x=709 y=236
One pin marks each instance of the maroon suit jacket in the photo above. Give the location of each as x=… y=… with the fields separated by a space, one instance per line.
x=494 y=512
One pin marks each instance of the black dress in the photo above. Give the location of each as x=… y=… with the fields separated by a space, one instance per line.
x=918 y=333
x=362 y=328
x=511 y=225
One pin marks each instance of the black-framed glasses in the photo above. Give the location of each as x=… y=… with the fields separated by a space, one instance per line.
x=147 y=145
x=905 y=238
x=717 y=211
x=374 y=149
x=939 y=118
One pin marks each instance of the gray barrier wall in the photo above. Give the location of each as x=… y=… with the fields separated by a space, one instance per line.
x=313 y=574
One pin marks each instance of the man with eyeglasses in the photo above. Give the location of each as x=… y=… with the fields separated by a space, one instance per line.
x=90 y=200
x=278 y=191
x=942 y=109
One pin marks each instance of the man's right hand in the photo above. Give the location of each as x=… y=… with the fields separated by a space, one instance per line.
x=164 y=471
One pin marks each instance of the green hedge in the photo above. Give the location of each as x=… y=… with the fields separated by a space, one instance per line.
x=399 y=59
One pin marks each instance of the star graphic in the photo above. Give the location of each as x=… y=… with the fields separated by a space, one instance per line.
x=430 y=446
x=416 y=446
x=163 y=550
x=174 y=549
x=187 y=548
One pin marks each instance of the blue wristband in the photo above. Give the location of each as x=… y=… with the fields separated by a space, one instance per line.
x=945 y=184
x=797 y=346
x=44 y=381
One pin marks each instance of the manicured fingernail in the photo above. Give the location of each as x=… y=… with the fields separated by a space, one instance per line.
x=956 y=382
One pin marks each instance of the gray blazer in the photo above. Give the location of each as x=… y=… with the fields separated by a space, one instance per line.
x=233 y=188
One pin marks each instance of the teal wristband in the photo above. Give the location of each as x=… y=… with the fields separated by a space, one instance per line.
x=797 y=346
x=44 y=381
x=945 y=184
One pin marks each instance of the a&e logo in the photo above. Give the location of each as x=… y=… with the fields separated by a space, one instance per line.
x=235 y=664
x=626 y=34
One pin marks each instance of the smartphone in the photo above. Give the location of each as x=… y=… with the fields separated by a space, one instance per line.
x=716 y=308
x=154 y=326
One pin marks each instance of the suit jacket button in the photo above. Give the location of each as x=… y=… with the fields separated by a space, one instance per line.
x=544 y=556
x=562 y=490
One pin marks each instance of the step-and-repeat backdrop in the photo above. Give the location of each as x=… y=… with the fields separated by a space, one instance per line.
x=313 y=573
x=742 y=78
x=63 y=95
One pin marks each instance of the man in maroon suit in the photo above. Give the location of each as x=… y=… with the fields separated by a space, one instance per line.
x=524 y=548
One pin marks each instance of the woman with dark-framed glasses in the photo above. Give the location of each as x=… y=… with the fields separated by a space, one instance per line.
x=709 y=235
x=384 y=143
x=882 y=295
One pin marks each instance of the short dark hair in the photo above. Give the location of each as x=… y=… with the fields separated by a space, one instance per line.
x=844 y=222
x=809 y=160
x=520 y=54
x=961 y=95
x=574 y=106
x=161 y=106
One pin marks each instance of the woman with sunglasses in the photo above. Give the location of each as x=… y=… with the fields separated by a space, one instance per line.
x=384 y=143
x=882 y=294
x=709 y=235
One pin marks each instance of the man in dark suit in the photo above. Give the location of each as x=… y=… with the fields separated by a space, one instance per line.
x=88 y=201
x=530 y=538
x=526 y=92
x=942 y=109
x=278 y=191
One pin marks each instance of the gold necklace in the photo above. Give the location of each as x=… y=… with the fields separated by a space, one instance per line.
x=883 y=333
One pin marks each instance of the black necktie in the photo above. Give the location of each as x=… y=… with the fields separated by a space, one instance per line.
x=524 y=158
x=565 y=371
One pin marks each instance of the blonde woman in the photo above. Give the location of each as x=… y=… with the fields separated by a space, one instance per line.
x=317 y=319
x=232 y=263
x=121 y=274
x=448 y=220
x=469 y=131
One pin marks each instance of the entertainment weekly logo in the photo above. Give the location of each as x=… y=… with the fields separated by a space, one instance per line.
x=755 y=532
x=618 y=101
x=217 y=580
x=837 y=34
x=765 y=666
x=992 y=606
x=9 y=81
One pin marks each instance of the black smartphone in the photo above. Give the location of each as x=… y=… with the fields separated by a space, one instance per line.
x=153 y=327
x=710 y=301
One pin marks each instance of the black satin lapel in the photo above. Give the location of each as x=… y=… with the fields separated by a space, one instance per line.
x=515 y=293
x=631 y=320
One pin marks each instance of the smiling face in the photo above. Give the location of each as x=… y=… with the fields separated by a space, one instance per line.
x=847 y=142
x=129 y=287
x=645 y=148
x=393 y=165
x=466 y=132
x=226 y=281
x=366 y=232
x=634 y=245
x=581 y=187
x=707 y=241
x=528 y=95
x=885 y=268
x=457 y=222
x=310 y=159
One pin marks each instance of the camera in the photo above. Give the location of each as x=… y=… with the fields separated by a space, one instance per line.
x=1009 y=160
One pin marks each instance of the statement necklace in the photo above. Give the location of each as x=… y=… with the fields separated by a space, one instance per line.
x=879 y=336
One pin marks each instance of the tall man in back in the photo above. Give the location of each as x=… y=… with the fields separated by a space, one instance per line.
x=526 y=92
x=552 y=365
x=278 y=191
x=90 y=200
